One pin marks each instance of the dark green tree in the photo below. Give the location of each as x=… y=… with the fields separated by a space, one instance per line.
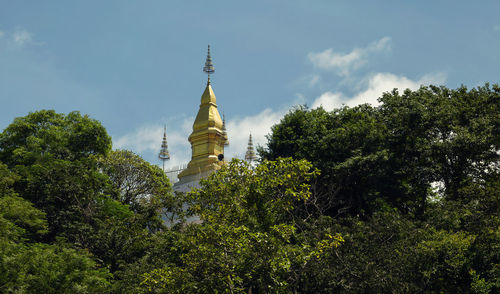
x=50 y=152
x=27 y=266
x=66 y=169
x=397 y=152
x=441 y=135
x=346 y=145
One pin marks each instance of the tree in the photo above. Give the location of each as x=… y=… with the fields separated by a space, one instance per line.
x=438 y=134
x=29 y=266
x=419 y=176
x=50 y=152
x=247 y=238
x=396 y=152
x=347 y=146
x=42 y=268
x=19 y=220
x=45 y=134
x=142 y=186
x=57 y=159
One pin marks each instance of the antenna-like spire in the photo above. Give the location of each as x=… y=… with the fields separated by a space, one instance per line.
x=164 y=155
x=209 y=66
x=250 y=155
x=224 y=131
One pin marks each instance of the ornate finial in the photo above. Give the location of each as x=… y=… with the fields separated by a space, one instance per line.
x=224 y=132
x=209 y=67
x=164 y=155
x=250 y=155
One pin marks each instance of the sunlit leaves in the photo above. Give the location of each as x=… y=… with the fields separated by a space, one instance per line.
x=248 y=239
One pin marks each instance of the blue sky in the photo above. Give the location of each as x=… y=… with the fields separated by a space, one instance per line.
x=136 y=65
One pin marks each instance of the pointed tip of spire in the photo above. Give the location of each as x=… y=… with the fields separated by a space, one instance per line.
x=209 y=66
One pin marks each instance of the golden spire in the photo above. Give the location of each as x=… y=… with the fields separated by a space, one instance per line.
x=164 y=154
x=207 y=139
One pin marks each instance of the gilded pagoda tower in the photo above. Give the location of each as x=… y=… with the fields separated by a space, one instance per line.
x=208 y=137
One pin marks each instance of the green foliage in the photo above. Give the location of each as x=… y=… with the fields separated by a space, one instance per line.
x=347 y=146
x=49 y=152
x=23 y=215
x=142 y=186
x=407 y=201
x=29 y=267
x=59 y=167
x=46 y=134
x=394 y=153
x=164 y=248
x=41 y=268
x=16 y=212
x=247 y=236
x=259 y=197
x=372 y=259
x=432 y=154
x=438 y=134
x=441 y=261
x=7 y=180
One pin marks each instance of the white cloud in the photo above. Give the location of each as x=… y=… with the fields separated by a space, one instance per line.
x=496 y=28
x=142 y=139
x=329 y=100
x=259 y=125
x=21 y=37
x=344 y=63
x=377 y=84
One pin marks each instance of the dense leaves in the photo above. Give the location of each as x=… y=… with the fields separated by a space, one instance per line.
x=42 y=268
x=399 y=198
x=28 y=267
x=248 y=238
x=64 y=223
x=49 y=151
x=397 y=152
x=46 y=134
x=138 y=184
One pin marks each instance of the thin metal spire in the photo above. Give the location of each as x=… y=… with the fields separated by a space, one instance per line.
x=164 y=154
x=209 y=66
x=250 y=155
